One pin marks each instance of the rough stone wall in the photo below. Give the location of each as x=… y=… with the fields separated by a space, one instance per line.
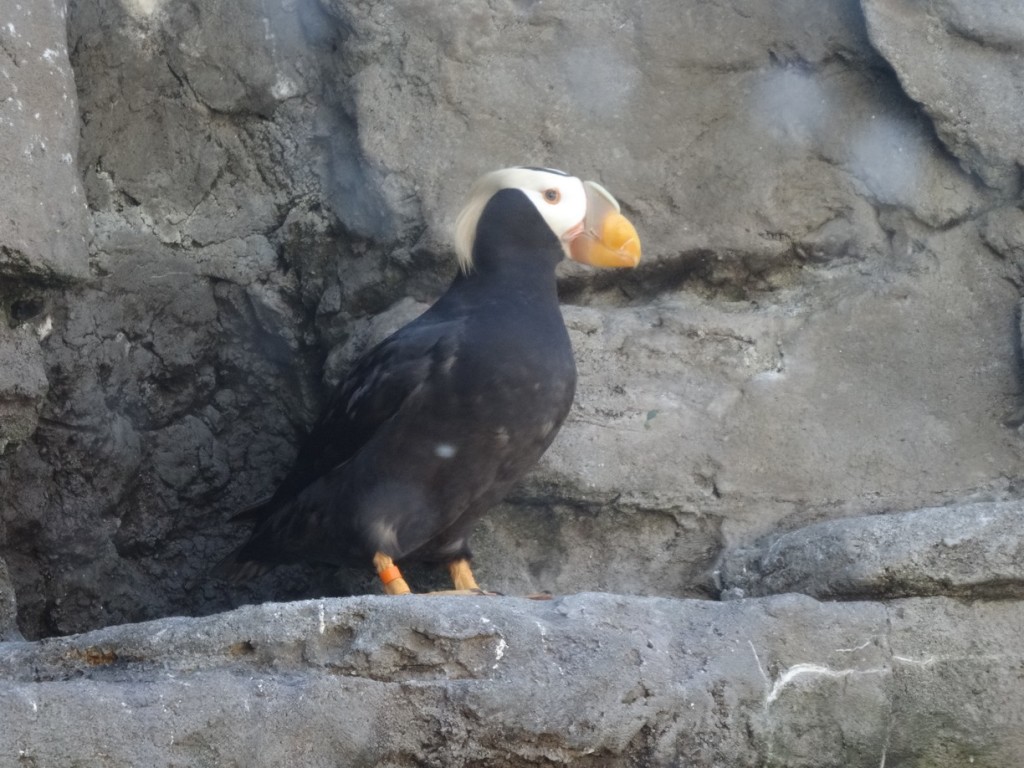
x=823 y=325
x=42 y=220
x=213 y=207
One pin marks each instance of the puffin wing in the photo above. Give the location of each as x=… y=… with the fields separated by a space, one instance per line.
x=374 y=391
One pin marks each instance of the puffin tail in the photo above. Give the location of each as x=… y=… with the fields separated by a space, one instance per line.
x=234 y=570
x=238 y=565
x=255 y=512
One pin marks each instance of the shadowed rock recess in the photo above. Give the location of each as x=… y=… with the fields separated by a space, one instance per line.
x=811 y=385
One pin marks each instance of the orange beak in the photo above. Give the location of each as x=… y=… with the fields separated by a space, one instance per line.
x=605 y=237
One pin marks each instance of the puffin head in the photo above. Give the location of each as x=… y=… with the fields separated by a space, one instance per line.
x=582 y=214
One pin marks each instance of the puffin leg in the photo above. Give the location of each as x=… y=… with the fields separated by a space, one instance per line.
x=390 y=576
x=465 y=582
x=462 y=575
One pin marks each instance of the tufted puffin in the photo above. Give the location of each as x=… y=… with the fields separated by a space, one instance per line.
x=437 y=422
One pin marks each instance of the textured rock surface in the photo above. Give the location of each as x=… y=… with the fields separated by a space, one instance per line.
x=8 y=607
x=971 y=551
x=42 y=211
x=825 y=326
x=42 y=222
x=962 y=61
x=585 y=680
x=23 y=384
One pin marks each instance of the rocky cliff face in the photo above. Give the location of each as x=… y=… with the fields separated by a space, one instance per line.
x=216 y=206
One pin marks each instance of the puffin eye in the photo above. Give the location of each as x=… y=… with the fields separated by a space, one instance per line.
x=552 y=195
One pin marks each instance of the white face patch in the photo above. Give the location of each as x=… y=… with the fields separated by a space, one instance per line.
x=445 y=450
x=560 y=199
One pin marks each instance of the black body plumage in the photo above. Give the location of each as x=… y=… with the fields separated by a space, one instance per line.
x=437 y=422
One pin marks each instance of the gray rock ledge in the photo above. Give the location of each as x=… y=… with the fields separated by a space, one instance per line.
x=970 y=550
x=589 y=679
